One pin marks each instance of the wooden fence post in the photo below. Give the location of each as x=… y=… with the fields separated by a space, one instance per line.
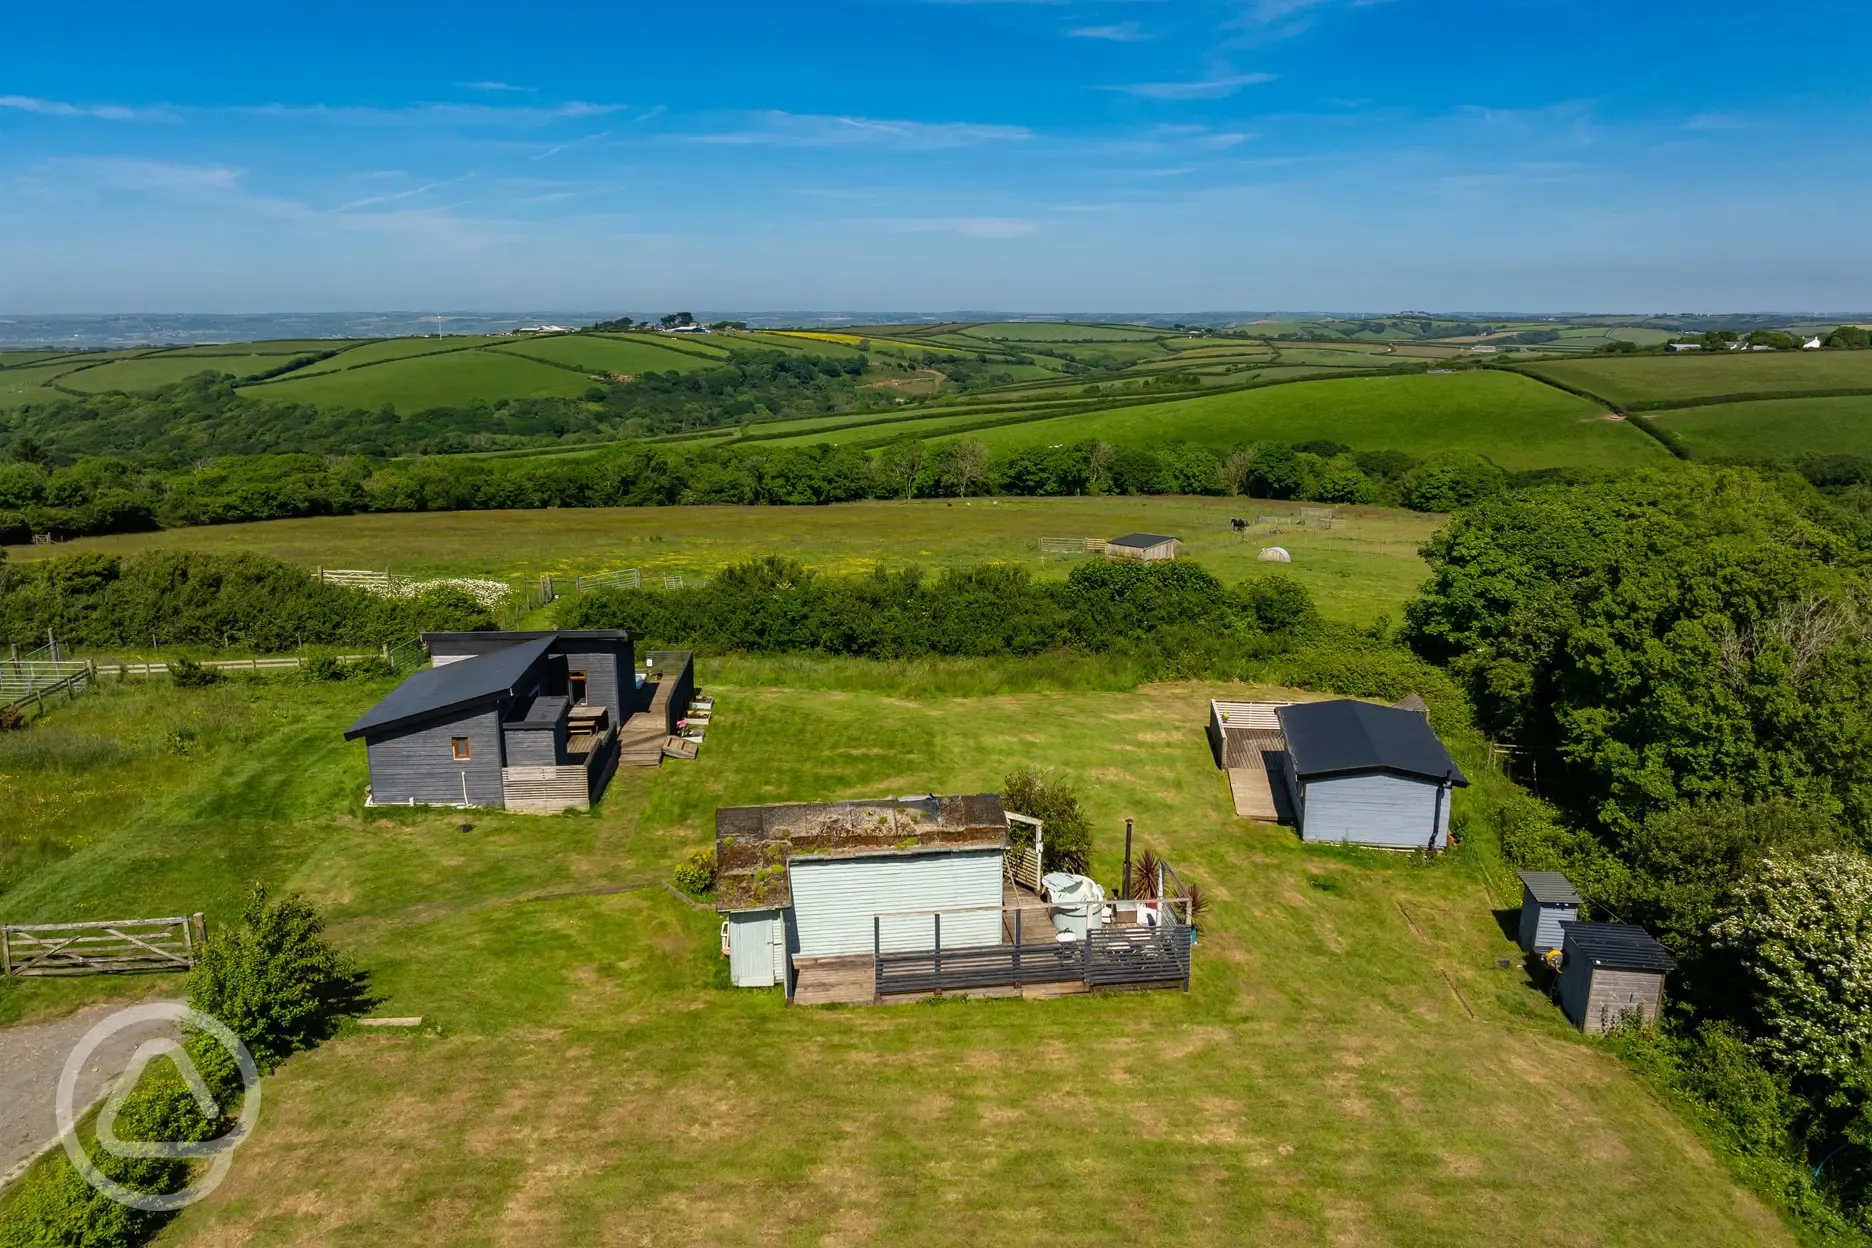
x=198 y=933
x=6 y=953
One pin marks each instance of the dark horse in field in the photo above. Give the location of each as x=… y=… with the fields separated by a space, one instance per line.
x=1240 y=526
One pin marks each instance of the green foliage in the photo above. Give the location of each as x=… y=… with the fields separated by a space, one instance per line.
x=1676 y=637
x=777 y=605
x=54 y=1207
x=1452 y=480
x=1066 y=835
x=214 y=600
x=1801 y=933
x=275 y=980
x=696 y=873
x=1279 y=604
x=188 y=674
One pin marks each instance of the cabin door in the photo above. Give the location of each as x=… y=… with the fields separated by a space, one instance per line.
x=575 y=687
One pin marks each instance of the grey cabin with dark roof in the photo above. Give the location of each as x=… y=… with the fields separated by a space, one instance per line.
x=1547 y=901
x=1611 y=973
x=1362 y=774
x=525 y=721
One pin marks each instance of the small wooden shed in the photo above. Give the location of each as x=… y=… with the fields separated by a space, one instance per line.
x=1610 y=972
x=1147 y=546
x=1362 y=774
x=1547 y=901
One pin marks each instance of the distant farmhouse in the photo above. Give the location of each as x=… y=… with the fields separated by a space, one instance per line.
x=523 y=721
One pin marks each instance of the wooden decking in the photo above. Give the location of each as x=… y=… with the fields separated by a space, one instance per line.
x=1260 y=793
x=850 y=980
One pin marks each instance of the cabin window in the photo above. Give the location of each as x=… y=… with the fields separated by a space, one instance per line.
x=460 y=745
x=575 y=687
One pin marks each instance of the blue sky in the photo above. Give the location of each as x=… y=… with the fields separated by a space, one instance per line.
x=920 y=154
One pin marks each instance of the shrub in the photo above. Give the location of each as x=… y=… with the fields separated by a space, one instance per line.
x=696 y=874
x=317 y=668
x=275 y=980
x=1452 y=480
x=188 y=674
x=1278 y=603
x=1044 y=796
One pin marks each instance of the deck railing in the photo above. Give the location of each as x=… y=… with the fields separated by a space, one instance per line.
x=1152 y=948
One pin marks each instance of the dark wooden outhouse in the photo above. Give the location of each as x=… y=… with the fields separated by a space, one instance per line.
x=1547 y=900
x=1611 y=972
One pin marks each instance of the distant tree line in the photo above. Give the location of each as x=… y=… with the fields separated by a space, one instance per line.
x=101 y=495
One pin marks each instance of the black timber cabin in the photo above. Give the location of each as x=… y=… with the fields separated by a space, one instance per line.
x=522 y=721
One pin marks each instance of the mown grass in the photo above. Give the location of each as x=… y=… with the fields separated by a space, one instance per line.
x=1661 y=380
x=1350 y=1065
x=1774 y=429
x=1366 y=567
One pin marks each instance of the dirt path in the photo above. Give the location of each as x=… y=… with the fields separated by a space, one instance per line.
x=32 y=1056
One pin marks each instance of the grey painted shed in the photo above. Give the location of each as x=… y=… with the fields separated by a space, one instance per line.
x=1610 y=972
x=1547 y=900
x=1363 y=774
x=1147 y=546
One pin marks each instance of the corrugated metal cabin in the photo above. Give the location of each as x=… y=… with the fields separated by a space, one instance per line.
x=1610 y=972
x=1547 y=901
x=809 y=881
x=1149 y=546
x=523 y=721
x=1362 y=774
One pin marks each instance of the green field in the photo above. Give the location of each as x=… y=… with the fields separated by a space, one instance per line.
x=1516 y=421
x=452 y=379
x=1774 y=429
x=165 y=370
x=16 y=359
x=1660 y=380
x=593 y=354
x=1350 y=1066
x=273 y=346
x=29 y=385
x=398 y=349
x=1366 y=567
x=1063 y=332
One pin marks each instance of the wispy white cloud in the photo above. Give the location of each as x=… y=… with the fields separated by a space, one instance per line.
x=1121 y=32
x=560 y=147
x=426 y=114
x=495 y=86
x=813 y=130
x=970 y=227
x=372 y=201
x=1213 y=88
x=105 y=112
x=163 y=177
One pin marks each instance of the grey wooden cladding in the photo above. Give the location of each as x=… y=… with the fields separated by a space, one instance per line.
x=1598 y=999
x=418 y=764
x=102 y=947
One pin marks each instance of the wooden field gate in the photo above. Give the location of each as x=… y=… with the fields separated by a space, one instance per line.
x=104 y=947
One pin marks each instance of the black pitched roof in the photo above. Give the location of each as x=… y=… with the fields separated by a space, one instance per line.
x=1550 y=888
x=1617 y=946
x=1143 y=541
x=1348 y=738
x=462 y=683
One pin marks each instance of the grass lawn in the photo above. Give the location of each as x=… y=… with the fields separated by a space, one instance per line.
x=1350 y=1065
x=454 y=379
x=1775 y=428
x=605 y=355
x=1663 y=379
x=1365 y=568
x=19 y=386
x=274 y=346
x=1062 y=332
